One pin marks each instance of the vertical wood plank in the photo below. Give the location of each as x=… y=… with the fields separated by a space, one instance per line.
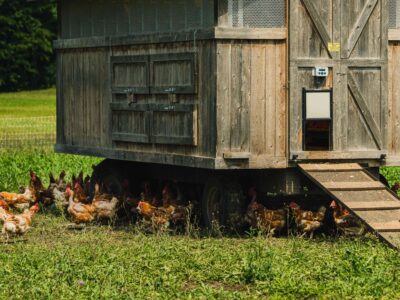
x=258 y=97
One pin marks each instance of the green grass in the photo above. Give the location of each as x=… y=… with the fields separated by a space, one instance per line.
x=16 y=164
x=39 y=103
x=27 y=118
x=122 y=263
x=392 y=174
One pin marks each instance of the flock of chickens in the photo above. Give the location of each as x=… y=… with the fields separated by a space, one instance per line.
x=76 y=200
x=307 y=222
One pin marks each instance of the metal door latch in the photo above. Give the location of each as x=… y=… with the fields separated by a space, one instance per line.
x=131 y=98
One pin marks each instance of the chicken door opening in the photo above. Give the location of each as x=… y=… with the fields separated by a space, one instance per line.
x=317 y=135
x=317 y=120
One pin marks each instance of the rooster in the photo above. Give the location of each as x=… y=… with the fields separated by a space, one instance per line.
x=258 y=216
x=346 y=223
x=308 y=221
x=17 y=224
x=79 y=212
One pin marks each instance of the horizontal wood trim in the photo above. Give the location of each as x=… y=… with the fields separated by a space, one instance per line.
x=140 y=90
x=394 y=35
x=336 y=155
x=125 y=106
x=179 y=107
x=139 y=39
x=254 y=162
x=173 y=140
x=182 y=36
x=236 y=155
x=146 y=157
x=123 y=59
x=172 y=57
x=129 y=137
x=179 y=89
x=250 y=33
x=393 y=161
x=324 y=62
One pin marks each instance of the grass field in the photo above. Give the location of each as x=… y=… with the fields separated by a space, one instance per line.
x=40 y=103
x=27 y=119
x=103 y=262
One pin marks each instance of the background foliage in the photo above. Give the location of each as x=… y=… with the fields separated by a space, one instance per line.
x=27 y=29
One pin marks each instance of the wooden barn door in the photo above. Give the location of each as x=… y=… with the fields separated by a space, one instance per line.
x=349 y=37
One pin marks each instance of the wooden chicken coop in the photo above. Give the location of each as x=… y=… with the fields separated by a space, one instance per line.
x=250 y=86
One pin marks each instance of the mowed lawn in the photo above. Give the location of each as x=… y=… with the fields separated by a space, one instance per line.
x=122 y=262
x=41 y=103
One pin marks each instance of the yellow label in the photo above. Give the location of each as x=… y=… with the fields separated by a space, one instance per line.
x=334 y=47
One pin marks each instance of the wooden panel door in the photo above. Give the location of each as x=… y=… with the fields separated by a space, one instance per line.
x=364 y=71
x=350 y=38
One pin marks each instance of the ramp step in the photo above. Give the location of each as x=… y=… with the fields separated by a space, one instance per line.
x=330 y=167
x=352 y=186
x=376 y=205
x=392 y=237
x=393 y=226
x=369 y=200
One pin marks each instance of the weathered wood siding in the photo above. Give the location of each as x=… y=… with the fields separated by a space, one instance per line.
x=83 y=97
x=252 y=103
x=87 y=18
x=86 y=101
x=394 y=103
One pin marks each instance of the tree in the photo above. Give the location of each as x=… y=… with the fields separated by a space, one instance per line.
x=27 y=29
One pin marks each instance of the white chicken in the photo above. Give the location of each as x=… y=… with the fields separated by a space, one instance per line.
x=17 y=224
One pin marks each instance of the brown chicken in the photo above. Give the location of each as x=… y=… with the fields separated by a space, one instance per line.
x=26 y=197
x=14 y=198
x=17 y=224
x=79 y=212
x=105 y=204
x=259 y=217
x=308 y=221
x=36 y=186
x=346 y=223
x=158 y=218
x=79 y=190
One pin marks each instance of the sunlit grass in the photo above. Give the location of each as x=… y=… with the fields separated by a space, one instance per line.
x=28 y=104
x=103 y=262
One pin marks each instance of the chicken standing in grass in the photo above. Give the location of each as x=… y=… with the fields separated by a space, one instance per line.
x=17 y=224
x=79 y=212
x=258 y=216
x=55 y=193
x=105 y=205
x=158 y=218
x=346 y=223
x=308 y=221
x=23 y=200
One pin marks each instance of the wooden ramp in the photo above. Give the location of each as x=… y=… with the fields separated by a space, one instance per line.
x=356 y=189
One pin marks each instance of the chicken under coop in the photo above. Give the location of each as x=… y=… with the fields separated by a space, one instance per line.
x=159 y=206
